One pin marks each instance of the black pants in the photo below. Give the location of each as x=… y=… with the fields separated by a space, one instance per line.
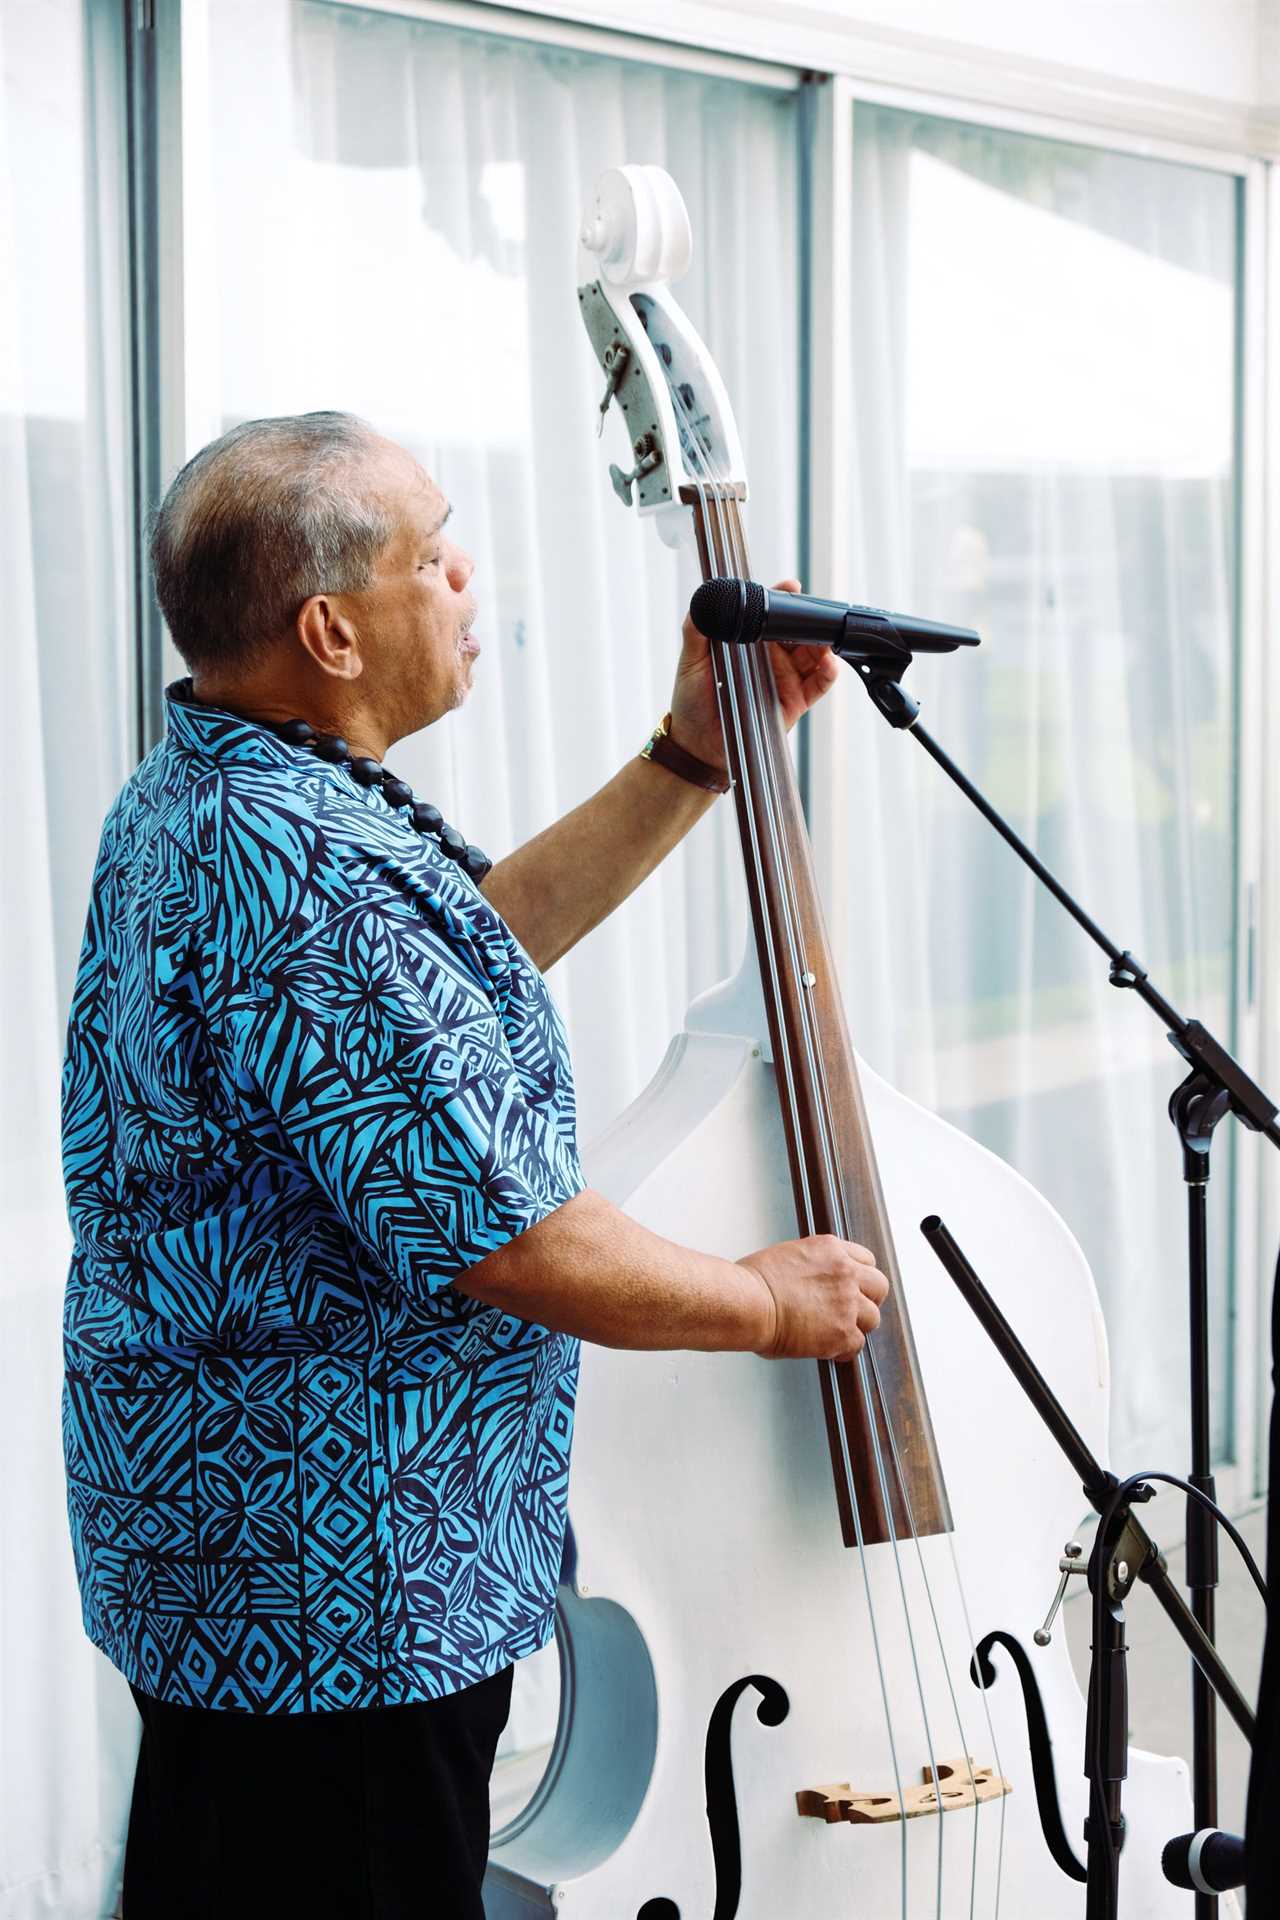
x=380 y=1813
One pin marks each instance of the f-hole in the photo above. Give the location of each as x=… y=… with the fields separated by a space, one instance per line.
x=722 y=1800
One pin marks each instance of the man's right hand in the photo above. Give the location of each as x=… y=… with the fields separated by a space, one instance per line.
x=826 y=1296
x=589 y=1269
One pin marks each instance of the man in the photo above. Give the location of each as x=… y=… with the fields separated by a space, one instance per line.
x=333 y=1248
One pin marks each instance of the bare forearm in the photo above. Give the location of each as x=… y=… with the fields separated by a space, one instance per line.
x=588 y=1269
x=566 y=880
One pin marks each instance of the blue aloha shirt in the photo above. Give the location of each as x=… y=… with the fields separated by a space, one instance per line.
x=311 y=1078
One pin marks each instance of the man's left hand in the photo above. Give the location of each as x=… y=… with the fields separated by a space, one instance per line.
x=803 y=675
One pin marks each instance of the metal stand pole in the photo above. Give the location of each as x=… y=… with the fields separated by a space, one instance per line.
x=1106 y=1744
x=1195 y=1109
x=1217 y=1085
x=1123 y=1551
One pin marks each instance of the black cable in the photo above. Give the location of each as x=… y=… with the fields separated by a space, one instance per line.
x=1120 y=1495
x=1123 y=1488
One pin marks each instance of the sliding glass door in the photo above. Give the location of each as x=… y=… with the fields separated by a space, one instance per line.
x=397 y=214
x=1043 y=446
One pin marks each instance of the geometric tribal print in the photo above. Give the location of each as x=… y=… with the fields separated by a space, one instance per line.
x=311 y=1079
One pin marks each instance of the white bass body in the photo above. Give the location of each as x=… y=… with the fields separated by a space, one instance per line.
x=709 y=1550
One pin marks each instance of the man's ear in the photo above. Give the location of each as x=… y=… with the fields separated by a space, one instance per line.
x=330 y=638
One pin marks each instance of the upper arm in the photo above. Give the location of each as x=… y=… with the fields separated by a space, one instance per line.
x=382 y=1059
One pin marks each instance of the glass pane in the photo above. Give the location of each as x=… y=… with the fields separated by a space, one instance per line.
x=64 y=465
x=398 y=207
x=65 y=564
x=1044 y=391
x=400 y=238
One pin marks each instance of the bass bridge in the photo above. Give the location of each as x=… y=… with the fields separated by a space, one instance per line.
x=958 y=1783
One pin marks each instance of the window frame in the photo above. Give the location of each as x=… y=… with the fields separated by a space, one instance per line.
x=1253 y=1202
x=179 y=411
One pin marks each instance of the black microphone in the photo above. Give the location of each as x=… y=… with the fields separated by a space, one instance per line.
x=1206 y=1862
x=742 y=611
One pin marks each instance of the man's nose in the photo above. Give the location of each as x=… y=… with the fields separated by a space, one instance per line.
x=461 y=568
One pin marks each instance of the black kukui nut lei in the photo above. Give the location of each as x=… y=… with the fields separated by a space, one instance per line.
x=397 y=793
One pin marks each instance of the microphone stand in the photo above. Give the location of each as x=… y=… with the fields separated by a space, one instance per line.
x=1123 y=1552
x=1215 y=1086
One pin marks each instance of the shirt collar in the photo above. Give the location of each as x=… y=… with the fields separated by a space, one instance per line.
x=211 y=733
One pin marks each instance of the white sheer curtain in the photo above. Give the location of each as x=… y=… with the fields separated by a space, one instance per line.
x=398 y=209
x=66 y=1719
x=1042 y=446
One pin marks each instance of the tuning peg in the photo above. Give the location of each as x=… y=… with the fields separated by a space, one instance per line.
x=616 y=359
x=647 y=458
x=1070 y=1563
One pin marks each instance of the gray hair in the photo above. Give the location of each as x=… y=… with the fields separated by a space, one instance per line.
x=257 y=522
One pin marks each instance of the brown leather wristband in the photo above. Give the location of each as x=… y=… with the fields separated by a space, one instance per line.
x=662 y=749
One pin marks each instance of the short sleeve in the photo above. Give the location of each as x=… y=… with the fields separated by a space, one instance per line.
x=377 y=1048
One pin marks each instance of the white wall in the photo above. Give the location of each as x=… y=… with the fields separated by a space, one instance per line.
x=1198 y=46
x=1194 y=72
x=1269 y=56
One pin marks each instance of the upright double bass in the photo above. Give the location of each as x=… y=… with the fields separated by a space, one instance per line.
x=770 y=1702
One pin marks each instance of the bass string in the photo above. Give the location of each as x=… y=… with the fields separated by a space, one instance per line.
x=716 y=521
x=980 y=1681
x=723 y=672
x=762 y=677
x=769 y=813
x=901 y=1481
x=717 y=549
x=903 y=1486
x=713 y=533
x=725 y=525
x=760 y=687
x=976 y=1665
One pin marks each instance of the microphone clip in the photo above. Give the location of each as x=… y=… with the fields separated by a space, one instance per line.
x=878 y=664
